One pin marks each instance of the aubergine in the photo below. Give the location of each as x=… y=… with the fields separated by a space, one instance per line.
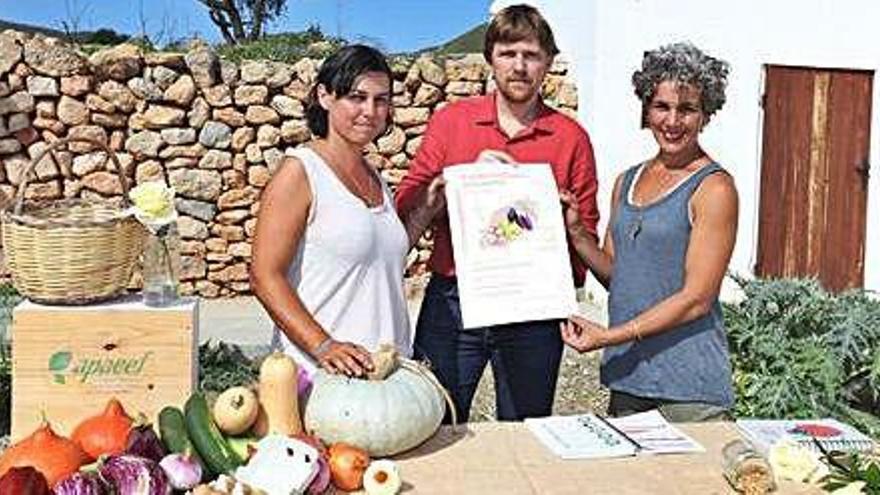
x=142 y=441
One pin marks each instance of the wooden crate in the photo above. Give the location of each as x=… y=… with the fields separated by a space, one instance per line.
x=69 y=361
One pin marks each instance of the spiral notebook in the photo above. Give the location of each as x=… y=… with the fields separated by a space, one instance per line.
x=830 y=433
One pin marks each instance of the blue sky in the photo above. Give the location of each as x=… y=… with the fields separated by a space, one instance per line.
x=394 y=25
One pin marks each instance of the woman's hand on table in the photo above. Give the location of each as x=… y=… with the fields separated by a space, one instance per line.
x=345 y=358
x=583 y=335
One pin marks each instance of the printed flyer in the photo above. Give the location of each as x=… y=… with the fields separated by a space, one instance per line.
x=509 y=243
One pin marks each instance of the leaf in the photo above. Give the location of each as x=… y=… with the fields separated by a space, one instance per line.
x=59 y=361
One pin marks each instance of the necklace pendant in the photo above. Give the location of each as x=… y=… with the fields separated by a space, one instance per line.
x=635 y=229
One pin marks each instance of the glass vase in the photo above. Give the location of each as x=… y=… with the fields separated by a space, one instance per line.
x=161 y=267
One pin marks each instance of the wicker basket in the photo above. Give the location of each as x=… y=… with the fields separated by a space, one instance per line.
x=73 y=251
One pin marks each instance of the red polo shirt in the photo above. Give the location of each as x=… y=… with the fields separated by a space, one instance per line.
x=457 y=134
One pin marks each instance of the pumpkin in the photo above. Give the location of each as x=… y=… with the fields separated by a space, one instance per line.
x=106 y=433
x=54 y=456
x=383 y=417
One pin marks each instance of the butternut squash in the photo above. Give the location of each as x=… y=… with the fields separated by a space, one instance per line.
x=235 y=410
x=277 y=394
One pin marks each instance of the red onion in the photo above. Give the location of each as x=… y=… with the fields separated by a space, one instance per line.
x=183 y=472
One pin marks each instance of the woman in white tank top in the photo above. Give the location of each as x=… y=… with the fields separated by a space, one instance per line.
x=329 y=250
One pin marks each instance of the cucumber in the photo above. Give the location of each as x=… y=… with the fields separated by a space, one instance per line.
x=206 y=437
x=172 y=432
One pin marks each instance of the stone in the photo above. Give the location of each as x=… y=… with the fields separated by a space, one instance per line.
x=159 y=116
x=233 y=179
x=164 y=77
x=280 y=75
x=207 y=289
x=193 y=247
x=162 y=60
x=203 y=185
x=230 y=233
x=20 y=102
x=144 y=143
x=401 y=100
x=218 y=96
x=52 y=125
x=254 y=72
x=76 y=85
x=5 y=90
x=430 y=72
x=297 y=89
x=199 y=113
x=232 y=217
x=216 y=160
x=250 y=226
x=241 y=137
x=229 y=116
x=237 y=198
x=427 y=95
x=567 y=95
x=306 y=70
x=4 y=131
x=471 y=67
x=181 y=92
x=104 y=183
x=413 y=78
x=178 y=135
x=98 y=104
x=114 y=120
x=15 y=166
x=9 y=146
x=229 y=72
x=258 y=176
x=259 y=114
x=46 y=168
x=10 y=52
x=273 y=157
x=201 y=210
x=29 y=135
x=93 y=132
x=46 y=109
x=120 y=62
x=416 y=130
x=239 y=162
x=464 y=88
x=118 y=94
x=251 y=95
x=406 y=117
x=195 y=267
x=181 y=162
x=42 y=86
x=253 y=153
x=215 y=135
x=393 y=176
x=17 y=122
x=188 y=151
x=90 y=162
x=392 y=142
x=150 y=170
x=216 y=245
x=288 y=107
x=190 y=228
x=399 y=160
x=413 y=145
x=204 y=65
x=268 y=136
x=146 y=90
x=236 y=272
x=295 y=131
x=52 y=58
x=240 y=250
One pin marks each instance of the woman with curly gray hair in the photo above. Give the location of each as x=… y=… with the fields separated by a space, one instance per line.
x=669 y=240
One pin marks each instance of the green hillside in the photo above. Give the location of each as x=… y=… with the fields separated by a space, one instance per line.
x=468 y=42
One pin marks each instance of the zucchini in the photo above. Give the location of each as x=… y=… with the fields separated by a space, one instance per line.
x=206 y=437
x=172 y=432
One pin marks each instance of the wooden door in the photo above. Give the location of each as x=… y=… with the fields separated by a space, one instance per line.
x=814 y=175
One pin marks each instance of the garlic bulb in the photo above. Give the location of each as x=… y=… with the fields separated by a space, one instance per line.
x=382 y=477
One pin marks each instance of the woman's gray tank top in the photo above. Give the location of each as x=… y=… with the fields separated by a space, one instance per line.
x=689 y=363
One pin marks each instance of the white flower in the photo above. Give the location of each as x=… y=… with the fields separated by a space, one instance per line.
x=153 y=204
x=795 y=462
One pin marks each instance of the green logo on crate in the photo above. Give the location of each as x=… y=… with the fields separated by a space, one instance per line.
x=64 y=366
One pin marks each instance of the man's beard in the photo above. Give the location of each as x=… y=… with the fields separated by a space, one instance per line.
x=517 y=96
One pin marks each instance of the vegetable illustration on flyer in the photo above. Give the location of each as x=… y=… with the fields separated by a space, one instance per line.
x=509 y=243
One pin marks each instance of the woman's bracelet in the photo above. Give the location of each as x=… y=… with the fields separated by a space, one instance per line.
x=319 y=351
x=636 y=332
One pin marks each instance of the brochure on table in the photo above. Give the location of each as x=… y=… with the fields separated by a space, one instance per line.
x=586 y=436
x=509 y=243
x=830 y=433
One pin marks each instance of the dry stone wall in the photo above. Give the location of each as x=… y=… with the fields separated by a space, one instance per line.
x=214 y=130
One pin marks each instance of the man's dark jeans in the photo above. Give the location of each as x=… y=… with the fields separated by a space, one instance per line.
x=525 y=356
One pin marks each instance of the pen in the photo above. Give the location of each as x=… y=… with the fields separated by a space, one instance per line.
x=621 y=433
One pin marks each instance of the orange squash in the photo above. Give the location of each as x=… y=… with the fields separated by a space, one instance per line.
x=54 y=456
x=106 y=433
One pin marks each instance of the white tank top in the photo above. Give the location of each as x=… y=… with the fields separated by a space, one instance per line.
x=348 y=268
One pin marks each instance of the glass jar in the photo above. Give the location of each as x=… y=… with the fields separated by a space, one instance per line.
x=161 y=266
x=746 y=469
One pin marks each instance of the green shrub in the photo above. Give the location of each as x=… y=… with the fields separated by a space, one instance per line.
x=799 y=352
x=9 y=297
x=224 y=365
x=284 y=47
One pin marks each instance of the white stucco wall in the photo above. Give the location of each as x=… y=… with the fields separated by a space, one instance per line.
x=605 y=41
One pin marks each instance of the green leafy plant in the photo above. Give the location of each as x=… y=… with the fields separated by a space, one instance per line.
x=283 y=47
x=9 y=297
x=800 y=352
x=224 y=365
x=847 y=468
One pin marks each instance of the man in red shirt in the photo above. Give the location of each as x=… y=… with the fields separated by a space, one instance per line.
x=510 y=124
